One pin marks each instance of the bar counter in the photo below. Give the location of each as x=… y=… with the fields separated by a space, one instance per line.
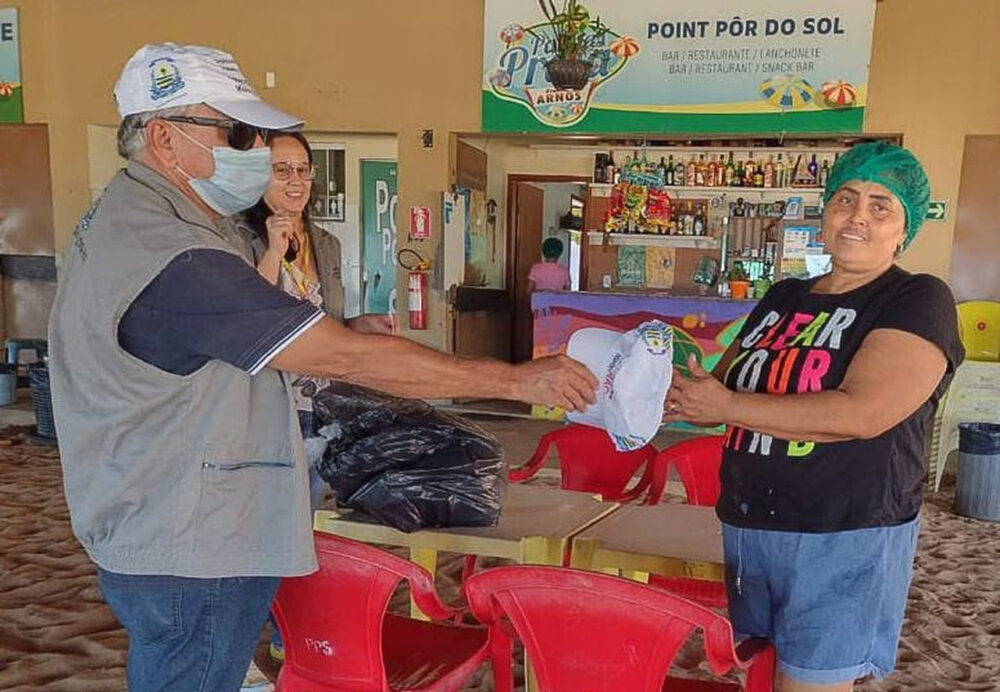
x=703 y=325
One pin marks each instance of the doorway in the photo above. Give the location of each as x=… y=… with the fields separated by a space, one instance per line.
x=535 y=206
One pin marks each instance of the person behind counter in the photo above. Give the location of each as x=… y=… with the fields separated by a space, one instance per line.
x=549 y=275
x=826 y=394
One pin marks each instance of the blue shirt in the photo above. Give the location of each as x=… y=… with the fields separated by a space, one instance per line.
x=210 y=304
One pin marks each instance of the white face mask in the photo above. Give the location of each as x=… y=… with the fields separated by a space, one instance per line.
x=239 y=181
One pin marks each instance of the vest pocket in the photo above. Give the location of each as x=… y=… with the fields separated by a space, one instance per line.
x=248 y=506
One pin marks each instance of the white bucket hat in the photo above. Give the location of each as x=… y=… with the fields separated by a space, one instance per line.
x=166 y=75
x=634 y=371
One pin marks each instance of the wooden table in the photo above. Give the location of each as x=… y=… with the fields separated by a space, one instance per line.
x=667 y=539
x=536 y=526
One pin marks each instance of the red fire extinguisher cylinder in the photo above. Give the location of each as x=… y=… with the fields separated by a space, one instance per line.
x=417 y=299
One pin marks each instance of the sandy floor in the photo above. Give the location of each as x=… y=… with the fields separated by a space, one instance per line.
x=56 y=635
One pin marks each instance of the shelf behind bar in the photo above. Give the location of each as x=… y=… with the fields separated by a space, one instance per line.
x=604 y=189
x=701 y=242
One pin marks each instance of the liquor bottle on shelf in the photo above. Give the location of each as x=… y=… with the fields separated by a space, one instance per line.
x=691 y=172
x=813 y=169
x=610 y=171
x=779 y=173
x=758 y=175
x=720 y=171
x=730 y=173
x=679 y=172
x=790 y=168
x=749 y=171
x=711 y=172
x=668 y=171
x=824 y=173
x=769 y=172
x=699 y=222
x=600 y=166
x=699 y=172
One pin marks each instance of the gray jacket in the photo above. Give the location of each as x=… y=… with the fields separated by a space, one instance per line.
x=200 y=475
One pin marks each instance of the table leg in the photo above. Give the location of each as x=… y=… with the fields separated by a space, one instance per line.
x=541 y=550
x=426 y=558
x=582 y=554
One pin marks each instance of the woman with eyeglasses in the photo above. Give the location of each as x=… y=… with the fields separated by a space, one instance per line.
x=300 y=257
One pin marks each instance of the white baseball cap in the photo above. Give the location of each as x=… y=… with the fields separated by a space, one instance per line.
x=166 y=75
x=634 y=371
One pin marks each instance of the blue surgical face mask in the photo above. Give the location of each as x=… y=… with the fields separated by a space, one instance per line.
x=239 y=181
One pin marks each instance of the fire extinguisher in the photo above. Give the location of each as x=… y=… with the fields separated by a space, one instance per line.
x=416 y=283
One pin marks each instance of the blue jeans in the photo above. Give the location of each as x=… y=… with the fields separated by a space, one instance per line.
x=188 y=635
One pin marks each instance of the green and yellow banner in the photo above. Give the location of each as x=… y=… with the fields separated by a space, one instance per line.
x=648 y=66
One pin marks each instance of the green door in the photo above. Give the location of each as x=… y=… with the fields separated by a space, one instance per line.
x=378 y=234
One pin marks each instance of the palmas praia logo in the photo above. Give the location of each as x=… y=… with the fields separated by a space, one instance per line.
x=555 y=67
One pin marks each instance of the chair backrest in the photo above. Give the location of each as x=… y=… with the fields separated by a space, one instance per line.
x=697 y=462
x=590 y=463
x=589 y=631
x=331 y=620
x=979 y=326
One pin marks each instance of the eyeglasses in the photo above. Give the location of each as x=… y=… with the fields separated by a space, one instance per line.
x=240 y=135
x=284 y=170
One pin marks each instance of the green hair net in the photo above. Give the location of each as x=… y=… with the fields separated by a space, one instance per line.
x=552 y=248
x=891 y=166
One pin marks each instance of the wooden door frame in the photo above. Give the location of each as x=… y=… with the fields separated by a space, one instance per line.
x=511 y=247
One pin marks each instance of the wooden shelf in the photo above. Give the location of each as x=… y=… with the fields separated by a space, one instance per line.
x=699 y=242
x=604 y=190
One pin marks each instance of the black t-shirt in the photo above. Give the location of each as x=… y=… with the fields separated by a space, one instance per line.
x=795 y=341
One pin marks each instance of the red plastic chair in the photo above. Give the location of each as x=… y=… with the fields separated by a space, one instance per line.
x=589 y=631
x=697 y=462
x=339 y=638
x=590 y=463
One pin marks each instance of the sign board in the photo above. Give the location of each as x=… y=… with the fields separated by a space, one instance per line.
x=650 y=66
x=937 y=210
x=378 y=233
x=420 y=223
x=11 y=106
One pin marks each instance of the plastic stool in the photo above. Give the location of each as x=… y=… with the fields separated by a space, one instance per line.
x=15 y=346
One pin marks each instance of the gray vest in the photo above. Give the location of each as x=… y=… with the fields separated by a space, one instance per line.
x=200 y=475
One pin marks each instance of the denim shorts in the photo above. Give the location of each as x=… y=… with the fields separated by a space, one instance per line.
x=832 y=603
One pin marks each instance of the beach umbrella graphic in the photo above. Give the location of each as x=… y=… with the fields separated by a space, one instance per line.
x=839 y=94
x=625 y=47
x=786 y=91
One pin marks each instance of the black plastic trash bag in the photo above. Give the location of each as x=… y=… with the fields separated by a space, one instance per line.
x=405 y=463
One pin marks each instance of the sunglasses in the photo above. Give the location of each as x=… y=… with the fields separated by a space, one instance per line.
x=240 y=135
x=284 y=170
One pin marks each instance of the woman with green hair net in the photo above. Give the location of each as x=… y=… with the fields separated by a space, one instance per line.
x=826 y=394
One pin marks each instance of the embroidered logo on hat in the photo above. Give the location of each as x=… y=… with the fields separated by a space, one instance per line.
x=164 y=78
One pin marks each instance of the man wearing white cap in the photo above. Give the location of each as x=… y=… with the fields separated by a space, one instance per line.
x=182 y=458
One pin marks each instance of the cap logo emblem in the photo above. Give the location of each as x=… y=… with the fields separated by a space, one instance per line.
x=165 y=78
